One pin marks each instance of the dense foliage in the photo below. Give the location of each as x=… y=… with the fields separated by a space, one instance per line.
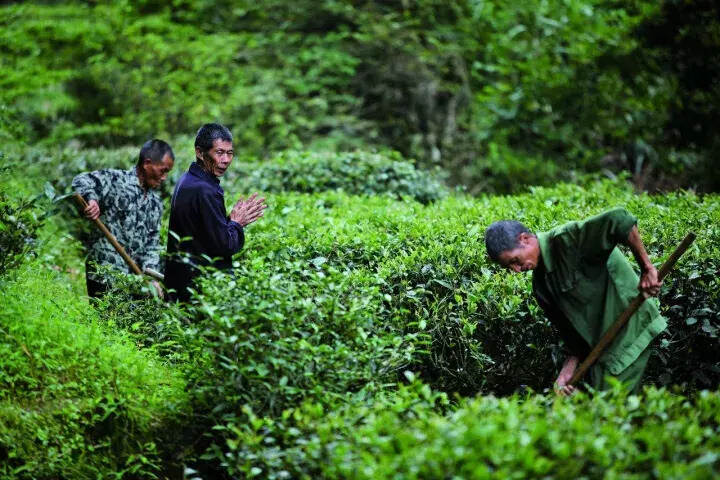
x=658 y=435
x=336 y=295
x=333 y=297
x=356 y=172
x=362 y=332
x=78 y=400
x=478 y=87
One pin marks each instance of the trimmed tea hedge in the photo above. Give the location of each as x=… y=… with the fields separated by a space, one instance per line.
x=336 y=294
x=655 y=435
x=358 y=172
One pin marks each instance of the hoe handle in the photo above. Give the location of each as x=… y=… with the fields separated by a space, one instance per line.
x=111 y=238
x=612 y=332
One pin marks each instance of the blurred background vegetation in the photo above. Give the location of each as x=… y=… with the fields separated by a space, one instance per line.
x=503 y=94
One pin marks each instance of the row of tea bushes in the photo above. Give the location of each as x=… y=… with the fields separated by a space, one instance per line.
x=610 y=435
x=413 y=432
x=78 y=400
x=486 y=332
x=336 y=294
x=358 y=172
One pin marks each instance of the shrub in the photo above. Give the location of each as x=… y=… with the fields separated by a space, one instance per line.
x=281 y=330
x=78 y=400
x=356 y=173
x=657 y=434
x=334 y=293
x=450 y=84
x=20 y=218
x=486 y=332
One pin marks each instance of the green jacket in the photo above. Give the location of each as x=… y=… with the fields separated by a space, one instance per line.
x=132 y=215
x=584 y=283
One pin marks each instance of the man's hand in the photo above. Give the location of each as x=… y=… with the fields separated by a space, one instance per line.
x=247 y=211
x=561 y=383
x=92 y=211
x=649 y=284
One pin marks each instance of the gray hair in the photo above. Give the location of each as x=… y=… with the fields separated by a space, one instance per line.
x=502 y=236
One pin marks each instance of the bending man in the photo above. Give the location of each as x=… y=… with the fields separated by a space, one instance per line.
x=199 y=227
x=128 y=203
x=583 y=283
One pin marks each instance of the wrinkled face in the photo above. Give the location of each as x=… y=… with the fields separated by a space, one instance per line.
x=154 y=174
x=218 y=158
x=524 y=257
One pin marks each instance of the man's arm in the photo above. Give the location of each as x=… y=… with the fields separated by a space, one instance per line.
x=599 y=234
x=575 y=346
x=93 y=187
x=649 y=284
x=566 y=372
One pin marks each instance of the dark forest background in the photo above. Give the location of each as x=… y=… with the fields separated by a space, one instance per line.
x=503 y=94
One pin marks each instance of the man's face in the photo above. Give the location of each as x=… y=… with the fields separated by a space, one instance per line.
x=524 y=257
x=218 y=158
x=154 y=174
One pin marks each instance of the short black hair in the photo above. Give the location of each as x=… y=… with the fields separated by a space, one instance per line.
x=502 y=236
x=210 y=132
x=155 y=150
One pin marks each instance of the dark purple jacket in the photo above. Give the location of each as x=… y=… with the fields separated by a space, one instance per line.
x=200 y=234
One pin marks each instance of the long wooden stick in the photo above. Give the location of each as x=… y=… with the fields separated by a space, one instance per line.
x=111 y=238
x=614 y=329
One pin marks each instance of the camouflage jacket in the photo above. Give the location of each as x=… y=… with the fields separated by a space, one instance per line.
x=132 y=215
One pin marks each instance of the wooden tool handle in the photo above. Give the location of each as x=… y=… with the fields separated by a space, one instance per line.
x=615 y=328
x=111 y=238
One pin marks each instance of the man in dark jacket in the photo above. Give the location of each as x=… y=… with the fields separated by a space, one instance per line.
x=201 y=233
x=583 y=282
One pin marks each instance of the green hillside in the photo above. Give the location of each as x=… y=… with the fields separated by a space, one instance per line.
x=363 y=331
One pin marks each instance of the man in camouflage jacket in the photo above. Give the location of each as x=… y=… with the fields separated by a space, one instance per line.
x=129 y=205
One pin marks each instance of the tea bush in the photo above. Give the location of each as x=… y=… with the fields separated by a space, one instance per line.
x=78 y=400
x=486 y=332
x=414 y=432
x=358 y=173
x=284 y=329
x=608 y=435
x=19 y=220
x=335 y=294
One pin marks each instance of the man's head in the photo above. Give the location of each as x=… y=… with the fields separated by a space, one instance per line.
x=156 y=159
x=512 y=245
x=213 y=148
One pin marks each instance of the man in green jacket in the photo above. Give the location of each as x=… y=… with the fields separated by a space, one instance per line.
x=583 y=283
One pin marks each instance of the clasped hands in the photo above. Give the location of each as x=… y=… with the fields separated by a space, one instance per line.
x=247 y=211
